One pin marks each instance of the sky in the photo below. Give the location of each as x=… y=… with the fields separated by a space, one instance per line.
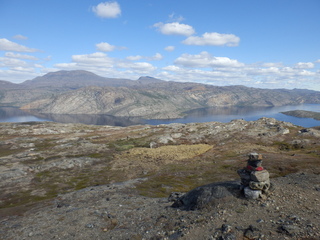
x=255 y=43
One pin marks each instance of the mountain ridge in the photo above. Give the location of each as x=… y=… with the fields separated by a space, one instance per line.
x=83 y=92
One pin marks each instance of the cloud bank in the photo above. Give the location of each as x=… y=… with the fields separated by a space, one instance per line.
x=7 y=45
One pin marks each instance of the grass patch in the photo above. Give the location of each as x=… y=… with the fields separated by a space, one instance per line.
x=126 y=144
x=4 y=151
x=97 y=155
x=45 y=145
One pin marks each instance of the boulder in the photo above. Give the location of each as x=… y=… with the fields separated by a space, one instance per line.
x=252 y=194
x=208 y=195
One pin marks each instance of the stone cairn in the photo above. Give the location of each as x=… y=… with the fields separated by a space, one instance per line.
x=255 y=181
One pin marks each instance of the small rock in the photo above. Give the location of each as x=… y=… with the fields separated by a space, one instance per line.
x=290 y=229
x=89 y=225
x=252 y=232
x=226 y=228
x=228 y=236
x=174 y=196
x=251 y=194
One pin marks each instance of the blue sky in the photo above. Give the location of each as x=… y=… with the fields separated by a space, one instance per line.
x=256 y=43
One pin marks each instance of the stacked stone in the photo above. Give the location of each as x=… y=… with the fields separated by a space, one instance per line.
x=255 y=180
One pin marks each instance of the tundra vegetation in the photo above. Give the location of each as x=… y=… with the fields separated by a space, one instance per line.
x=75 y=181
x=40 y=160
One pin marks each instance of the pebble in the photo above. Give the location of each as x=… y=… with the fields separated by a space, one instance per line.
x=89 y=225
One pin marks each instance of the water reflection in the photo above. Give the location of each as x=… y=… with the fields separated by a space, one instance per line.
x=90 y=119
x=226 y=114
x=227 y=111
x=217 y=114
x=11 y=114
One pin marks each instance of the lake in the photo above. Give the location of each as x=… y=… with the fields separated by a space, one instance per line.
x=218 y=114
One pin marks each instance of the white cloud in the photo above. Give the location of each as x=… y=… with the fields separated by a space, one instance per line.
x=141 y=67
x=105 y=47
x=107 y=10
x=205 y=60
x=175 y=28
x=11 y=62
x=169 y=48
x=17 y=75
x=38 y=66
x=174 y=18
x=6 y=45
x=221 y=71
x=98 y=58
x=134 y=58
x=20 y=56
x=20 y=37
x=272 y=65
x=172 y=68
x=213 y=39
x=307 y=65
x=104 y=65
x=156 y=57
x=24 y=69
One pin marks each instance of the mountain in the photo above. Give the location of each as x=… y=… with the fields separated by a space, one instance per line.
x=7 y=85
x=165 y=100
x=83 y=92
x=79 y=78
x=117 y=102
x=52 y=84
x=73 y=80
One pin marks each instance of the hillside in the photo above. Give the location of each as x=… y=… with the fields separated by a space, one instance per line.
x=165 y=100
x=75 y=181
x=82 y=92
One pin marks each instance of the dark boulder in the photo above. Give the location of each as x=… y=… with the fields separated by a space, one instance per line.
x=208 y=195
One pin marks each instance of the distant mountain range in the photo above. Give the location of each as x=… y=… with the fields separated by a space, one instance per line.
x=83 y=92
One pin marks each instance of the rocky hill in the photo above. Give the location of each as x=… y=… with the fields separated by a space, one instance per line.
x=74 y=181
x=82 y=92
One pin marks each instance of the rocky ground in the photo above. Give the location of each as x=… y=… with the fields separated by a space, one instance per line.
x=73 y=181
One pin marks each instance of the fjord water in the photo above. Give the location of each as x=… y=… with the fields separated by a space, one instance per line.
x=226 y=114
x=218 y=114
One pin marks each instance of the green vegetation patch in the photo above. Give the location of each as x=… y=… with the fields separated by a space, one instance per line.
x=126 y=144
